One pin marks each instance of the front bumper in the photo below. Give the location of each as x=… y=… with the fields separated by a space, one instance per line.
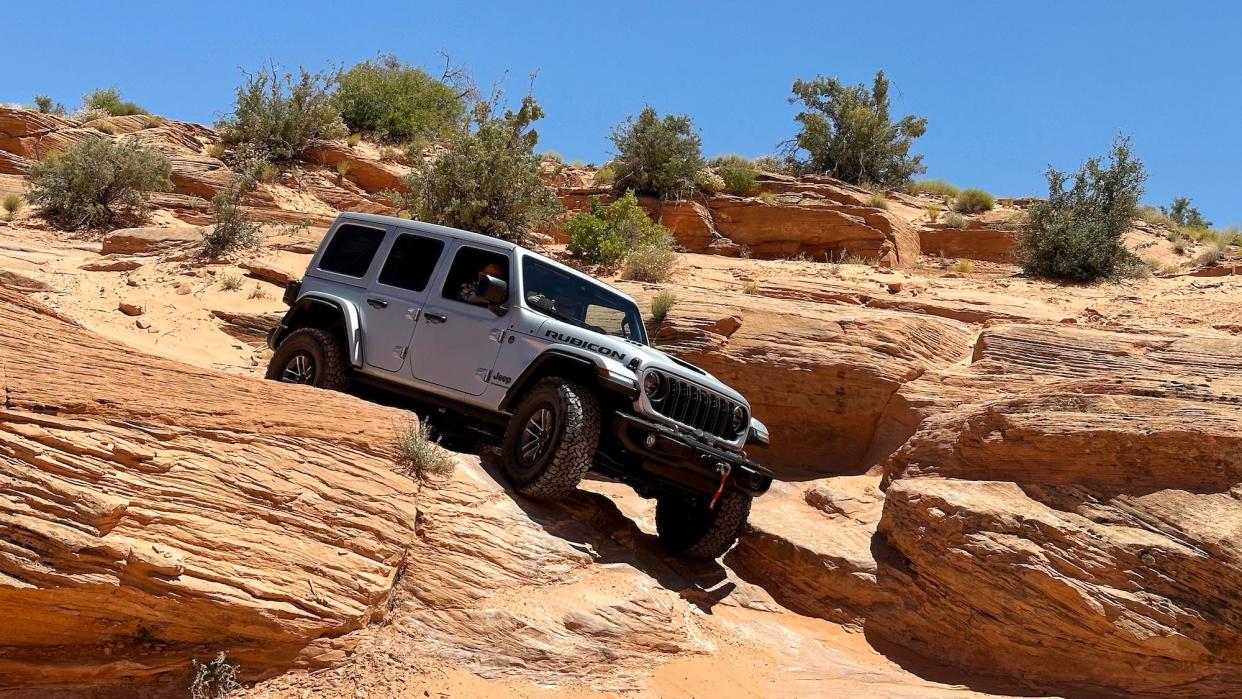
x=679 y=458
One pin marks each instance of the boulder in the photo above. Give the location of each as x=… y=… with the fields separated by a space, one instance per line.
x=372 y=176
x=151 y=241
x=975 y=242
x=152 y=512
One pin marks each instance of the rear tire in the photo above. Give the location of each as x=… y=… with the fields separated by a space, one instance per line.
x=551 y=441
x=312 y=357
x=687 y=527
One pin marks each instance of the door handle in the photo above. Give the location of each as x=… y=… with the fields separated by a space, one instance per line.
x=435 y=317
x=377 y=303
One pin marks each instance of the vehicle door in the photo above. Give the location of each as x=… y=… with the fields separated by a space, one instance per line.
x=458 y=337
x=395 y=298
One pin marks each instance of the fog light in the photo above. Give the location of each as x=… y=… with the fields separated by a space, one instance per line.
x=651 y=440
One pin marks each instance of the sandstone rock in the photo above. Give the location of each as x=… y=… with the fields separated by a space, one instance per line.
x=278 y=268
x=151 y=241
x=690 y=223
x=145 y=499
x=22 y=131
x=21 y=282
x=371 y=175
x=974 y=242
x=111 y=265
x=251 y=327
x=130 y=308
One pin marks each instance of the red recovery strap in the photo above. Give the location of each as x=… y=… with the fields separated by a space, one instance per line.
x=724 y=470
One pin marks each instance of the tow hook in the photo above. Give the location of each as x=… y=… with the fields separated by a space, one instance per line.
x=724 y=469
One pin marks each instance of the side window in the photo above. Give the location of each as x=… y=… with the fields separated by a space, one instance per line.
x=469 y=266
x=351 y=250
x=411 y=262
x=608 y=320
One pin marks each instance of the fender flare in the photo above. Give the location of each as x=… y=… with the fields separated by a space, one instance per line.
x=587 y=363
x=350 y=319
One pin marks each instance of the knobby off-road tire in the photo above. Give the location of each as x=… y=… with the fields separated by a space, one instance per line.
x=565 y=415
x=687 y=527
x=313 y=357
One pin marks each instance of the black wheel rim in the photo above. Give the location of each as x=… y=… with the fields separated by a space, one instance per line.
x=537 y=436
x=299 y=369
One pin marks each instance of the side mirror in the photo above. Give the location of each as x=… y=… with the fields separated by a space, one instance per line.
x=494 y=291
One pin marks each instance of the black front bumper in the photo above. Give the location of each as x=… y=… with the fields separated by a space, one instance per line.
x=681 y=459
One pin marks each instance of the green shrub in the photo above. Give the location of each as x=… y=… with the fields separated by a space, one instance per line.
x=1181 y=213
x=551 y=156
x=954 y=220
x=354 y=139
x=737 y=172
x=488 y=182
x=12 y=203
x=933 y=212
x=231 y=282
x=215 y=150
x=846 y=132
x=109 y=100
x=281 y=114
x=397 y=102
x=963 y=266
x=605 y=176
x=767 y=198
x=1077 y=234
x=876 y=201
x=93 y=182
x=657 y=156
x=45 y=105
x=661 y=304
x=606 y=234
x=420 y=456
x=751 y=288
x=653 y=261
x=708 y=182
x=771 y=163
x=973 y=201
x=232 y=228
x=936 y=187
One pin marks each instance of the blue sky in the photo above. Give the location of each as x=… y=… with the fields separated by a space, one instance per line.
x=1008 y=88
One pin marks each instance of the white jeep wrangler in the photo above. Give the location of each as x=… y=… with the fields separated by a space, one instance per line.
x=549 y=362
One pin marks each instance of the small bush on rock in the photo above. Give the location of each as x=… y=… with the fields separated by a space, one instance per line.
x=973 y=201
x=108 y=100
x=936 y=187
x=232 y=228
x=396 y=102
x=737 y=172
x=661 y=304
x=93 y=182
x=420 y=456
x=652 y=262
x=606 y=234
x=282 y=114
x=215 y=679
x=846 y=132
x=658 y=156
x=44 y=105
x=12 y=203
x=954 y=220
x=1077 y=234
x=876 y=201
x=1181 y=213
x=489 y=180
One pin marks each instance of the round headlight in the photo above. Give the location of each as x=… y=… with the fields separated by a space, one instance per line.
x=739 y=418
x=652 y=383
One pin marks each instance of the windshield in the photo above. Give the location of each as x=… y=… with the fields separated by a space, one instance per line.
x=570 y=298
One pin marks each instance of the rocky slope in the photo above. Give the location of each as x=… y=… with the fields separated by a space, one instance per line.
x=989 y=483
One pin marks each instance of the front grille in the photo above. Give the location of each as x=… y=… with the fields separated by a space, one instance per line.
x=695 y=406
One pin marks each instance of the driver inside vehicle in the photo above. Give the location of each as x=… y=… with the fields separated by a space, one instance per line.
x=469 y=291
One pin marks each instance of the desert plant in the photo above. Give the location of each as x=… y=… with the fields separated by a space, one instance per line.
x=396 y=102
x=876 y=200
x=1077 y=233
x=353 y=139
x=215 y=150
x=282 y=114
x=657 y=156
x=12 y=203
x=737 y=172
x=767 y=198
x=771 y=163
x=661 y=304
x=846 y=132
x=551 y=156
x=954 y=220
x=420 y=456
x=388 y=154
x=152 y=121
x=105 y=127
x=708 y=182
x=973 y=201
x=963 y=266
x=108 y=100
x=214 y=679
x=606 y=234
x=231 y=282
x=232 y=229
x=1210 y=256
x=653 y=261
x=577 y=165
x=1181 y=213
x=489 y=181
x=937 y=187
x=258 y=292
x=933 y=212
x=750 y=287
x=1179 y=241
x=342 y=169
x=44 y=105
x=93 y=182
x=605 y=176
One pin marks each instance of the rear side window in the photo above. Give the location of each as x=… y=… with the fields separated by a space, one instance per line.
x=351 y=250
x=468 y=269
x=411 y=262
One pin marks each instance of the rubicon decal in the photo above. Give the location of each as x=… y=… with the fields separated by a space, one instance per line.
x=606 y=351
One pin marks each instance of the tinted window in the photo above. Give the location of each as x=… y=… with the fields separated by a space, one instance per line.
x=571 y=298
x=411 y=262
x=468 y=268
x=351 y=250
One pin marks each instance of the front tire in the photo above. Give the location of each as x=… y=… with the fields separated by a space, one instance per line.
x=687 y=527
x=312 y=357
x=551 y=441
